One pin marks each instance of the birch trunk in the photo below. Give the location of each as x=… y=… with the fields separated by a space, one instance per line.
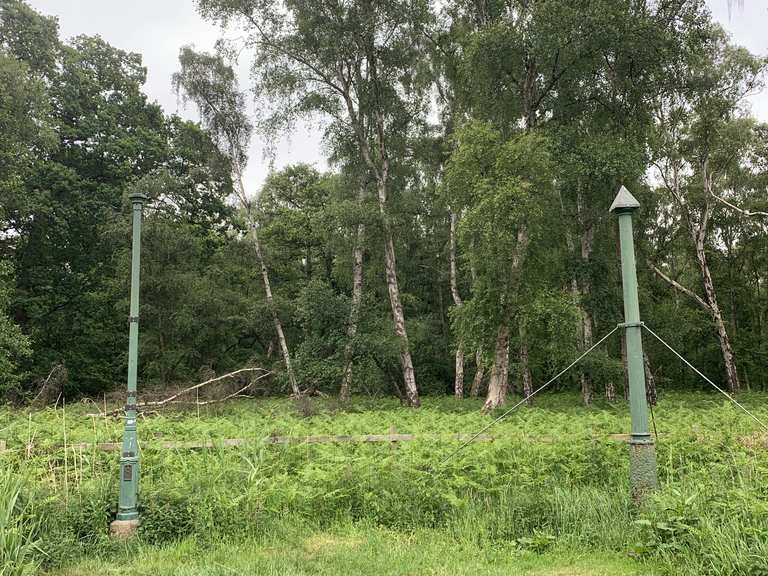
x=698 y=232
x=354 y=312
x=585 y=385
x=253 y=225
x=525 y=369
x=587 y=238
x=498 y=383
x=458 y=383
x=379 y=168
x=710 y=304
x=477 y=381
x=699 y=237
x=271 y=304
x=584 y=323
x=390 y=265
x=586 y=331
x=726 y=350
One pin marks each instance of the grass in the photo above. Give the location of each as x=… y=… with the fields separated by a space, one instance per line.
x=358 y=550
x=699 y=414
x=18 y=552
x=548 y=496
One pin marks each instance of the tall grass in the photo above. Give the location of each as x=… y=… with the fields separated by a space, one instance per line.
x=19 y=551
x=550 y=480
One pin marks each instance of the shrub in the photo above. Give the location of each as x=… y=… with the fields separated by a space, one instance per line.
x=166 y=516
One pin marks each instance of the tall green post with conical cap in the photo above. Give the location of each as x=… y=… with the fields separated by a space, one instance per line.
x=642 y=450
x=128 y=512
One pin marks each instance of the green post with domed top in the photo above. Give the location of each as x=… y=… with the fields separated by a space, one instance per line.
x=128 y=512
x=642 y=450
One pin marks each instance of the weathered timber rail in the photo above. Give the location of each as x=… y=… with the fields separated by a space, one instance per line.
x=235 y=442
x=30 y=448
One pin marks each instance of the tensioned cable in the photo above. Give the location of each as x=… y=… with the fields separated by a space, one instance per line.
x=692 y=367
x=524 y=400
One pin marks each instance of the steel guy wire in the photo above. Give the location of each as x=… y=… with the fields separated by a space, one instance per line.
x=692 y=367
x=524 y=400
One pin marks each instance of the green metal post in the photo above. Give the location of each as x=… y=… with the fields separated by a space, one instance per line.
x=642 y=451
x=128 y=513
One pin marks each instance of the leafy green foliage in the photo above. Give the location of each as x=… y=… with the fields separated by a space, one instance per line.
x=551 y=480
x=64 y=220
x=15 y=347
x=502 y=189
x=544 y=109
x=321 y=314
x=207 y=78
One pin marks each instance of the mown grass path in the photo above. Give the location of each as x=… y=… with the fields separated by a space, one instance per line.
x=369 y=552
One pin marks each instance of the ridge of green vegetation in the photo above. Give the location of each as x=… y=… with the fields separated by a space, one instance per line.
x=565 y=494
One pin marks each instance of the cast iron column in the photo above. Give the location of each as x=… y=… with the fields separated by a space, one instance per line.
x=128 y=513
x=642 y=451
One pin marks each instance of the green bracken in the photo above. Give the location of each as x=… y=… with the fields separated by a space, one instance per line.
x=528 y=494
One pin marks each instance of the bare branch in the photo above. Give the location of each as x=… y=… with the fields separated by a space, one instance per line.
x=698 y=299
x=741 y=211
x=173 y=399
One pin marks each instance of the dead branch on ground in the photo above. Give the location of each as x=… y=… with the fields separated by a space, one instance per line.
x=174 y=399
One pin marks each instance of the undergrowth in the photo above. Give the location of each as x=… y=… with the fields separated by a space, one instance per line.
x=552 y=478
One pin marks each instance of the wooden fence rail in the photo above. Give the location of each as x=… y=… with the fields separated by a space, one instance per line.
x=233 y=442
x=288 y=440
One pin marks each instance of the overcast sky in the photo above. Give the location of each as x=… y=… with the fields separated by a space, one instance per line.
x=156 y=29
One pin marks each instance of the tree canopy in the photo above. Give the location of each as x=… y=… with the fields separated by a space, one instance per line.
x=460 y=234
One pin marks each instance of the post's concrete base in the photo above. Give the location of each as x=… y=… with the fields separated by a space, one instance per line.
x=123 y=528
x=642 y=469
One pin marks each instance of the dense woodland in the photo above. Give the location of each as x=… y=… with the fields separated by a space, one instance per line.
x=460 y=242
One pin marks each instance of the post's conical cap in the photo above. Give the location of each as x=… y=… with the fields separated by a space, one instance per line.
x=624 y=202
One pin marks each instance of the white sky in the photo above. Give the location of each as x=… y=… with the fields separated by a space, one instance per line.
x=156 y=29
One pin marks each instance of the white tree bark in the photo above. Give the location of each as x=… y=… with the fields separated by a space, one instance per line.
x=253 y=225
x=700 y=236
x=698 y=232
x=271 y=304
x=458 y=383
x=726 y=350
x=587 y=239
x=379 y=168
x=709 y=303
x=354 y=311
x=677 y=286
x=390 y=265
x=586 y=335
x=579 y=292
x=498 y=383
x=477 y=381
x=525 y=369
